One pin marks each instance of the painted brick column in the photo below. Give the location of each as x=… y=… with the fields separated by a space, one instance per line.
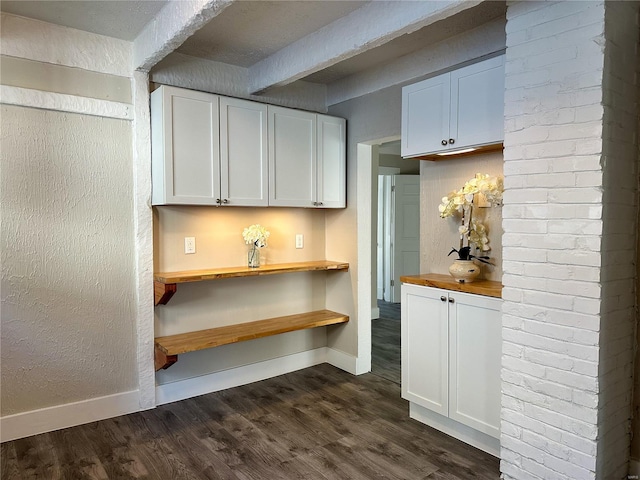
x=569 y=224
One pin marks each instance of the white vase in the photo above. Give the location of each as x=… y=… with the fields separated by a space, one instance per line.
x=464 y=271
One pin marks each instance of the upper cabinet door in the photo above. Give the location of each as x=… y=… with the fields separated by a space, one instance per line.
x=425 y=116
x=332 y=165
x=243 y=153
x=292 y=157
x=477 y=103
x=185 y=147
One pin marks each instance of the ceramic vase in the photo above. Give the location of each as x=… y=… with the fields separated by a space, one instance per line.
x=464 y=271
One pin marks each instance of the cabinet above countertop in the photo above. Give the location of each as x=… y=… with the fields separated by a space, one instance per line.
x=446 y=282
x=455 y=113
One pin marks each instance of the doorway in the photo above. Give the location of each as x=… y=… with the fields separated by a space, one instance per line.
x=396 y=243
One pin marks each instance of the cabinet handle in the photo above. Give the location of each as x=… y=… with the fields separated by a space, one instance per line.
x=444 y=143
x=443 y=298
x=218 y=201
x=452 y=141
x=451 y=300
x=225 y=200
x=319 y=204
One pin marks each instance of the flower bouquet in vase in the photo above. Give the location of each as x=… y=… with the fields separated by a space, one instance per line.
x=459 y=204
x=256 y=237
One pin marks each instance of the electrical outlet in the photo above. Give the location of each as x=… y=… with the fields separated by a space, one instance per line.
x=189 y=245
x=299 y=240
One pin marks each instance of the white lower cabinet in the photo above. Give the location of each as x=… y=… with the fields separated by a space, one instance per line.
x=451 y=356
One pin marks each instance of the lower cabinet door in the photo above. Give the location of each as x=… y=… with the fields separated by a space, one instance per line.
x=425 y=347
x=474 y=362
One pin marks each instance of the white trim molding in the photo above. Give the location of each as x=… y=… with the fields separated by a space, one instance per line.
x=26 y=97
x=68 y=415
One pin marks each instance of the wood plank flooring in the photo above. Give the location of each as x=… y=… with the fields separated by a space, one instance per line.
x=385 y=342
x=317 y=423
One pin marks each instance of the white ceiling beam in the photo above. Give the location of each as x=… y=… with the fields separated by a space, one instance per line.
x=370 y=26
x=176 y=22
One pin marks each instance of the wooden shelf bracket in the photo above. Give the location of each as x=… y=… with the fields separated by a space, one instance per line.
x=163 y=292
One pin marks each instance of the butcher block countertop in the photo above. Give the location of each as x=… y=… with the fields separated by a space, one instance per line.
x=446 y=282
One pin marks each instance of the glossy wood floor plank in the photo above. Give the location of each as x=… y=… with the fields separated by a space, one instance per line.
x=318 y=424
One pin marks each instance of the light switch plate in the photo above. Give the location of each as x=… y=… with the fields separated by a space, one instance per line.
x=299 y=240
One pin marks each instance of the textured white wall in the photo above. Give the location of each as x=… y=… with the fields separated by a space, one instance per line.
x=68 y=314
x=439 y=235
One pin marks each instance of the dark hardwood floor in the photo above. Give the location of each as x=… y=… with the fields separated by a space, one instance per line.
x=385 y=342
x=317 y=423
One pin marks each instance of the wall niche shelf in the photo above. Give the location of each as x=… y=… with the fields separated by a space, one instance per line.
x=168 y=348
x=487 y=288
x=165 y=283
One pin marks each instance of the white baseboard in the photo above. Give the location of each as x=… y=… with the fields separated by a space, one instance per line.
x=375 y=313
x=235 y=377
x=53 y=418
x=634 y=469
x=477 y=439
x=342 y=360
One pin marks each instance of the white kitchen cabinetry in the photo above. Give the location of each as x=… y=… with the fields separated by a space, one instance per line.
x=185 y=147
x=307 y=165
x=244 y=161
x=456 y=110
x=208 y=150
x=451 y=357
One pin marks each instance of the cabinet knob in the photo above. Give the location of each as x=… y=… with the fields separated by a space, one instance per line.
x=319 y=204
x=225 y=200
x=444 y=143
x=452 y=141
x=218 y=201
x=443 y=298
x=451 y=300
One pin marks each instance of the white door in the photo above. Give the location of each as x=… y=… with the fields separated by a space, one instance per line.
x=406 y=229
x=477 y=103
x=425 y=347
x=332 y=163
x=243 y=153
x=474 y=361
x=425 y=116
x=292 y=157
x=186 y=147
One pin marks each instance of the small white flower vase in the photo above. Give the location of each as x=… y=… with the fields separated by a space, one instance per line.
x=464 y=271
x=253 y=257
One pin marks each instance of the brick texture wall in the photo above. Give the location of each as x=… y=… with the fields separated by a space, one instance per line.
x=618 y=272
x=569 y=230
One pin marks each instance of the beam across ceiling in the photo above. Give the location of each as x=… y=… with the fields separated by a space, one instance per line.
x=176 y=22
x=368 y=27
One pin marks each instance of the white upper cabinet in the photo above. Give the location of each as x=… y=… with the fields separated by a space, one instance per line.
x=213 y=150
x=307 y=165
x=460 y=109
x=185 y=147
x=332 y=165
x=243 y=153
x=208 y=150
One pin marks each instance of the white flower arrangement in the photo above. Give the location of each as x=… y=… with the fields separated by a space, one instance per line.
x=460 y=203
x=256 y=235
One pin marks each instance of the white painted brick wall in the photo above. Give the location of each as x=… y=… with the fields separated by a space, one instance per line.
x=620 y=182
x=552 y=221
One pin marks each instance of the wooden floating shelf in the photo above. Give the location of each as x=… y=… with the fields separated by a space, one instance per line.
x=447 y=282
x=168 y=348
x=165 y=283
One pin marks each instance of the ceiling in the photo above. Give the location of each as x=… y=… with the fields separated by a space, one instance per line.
x=249 y=31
